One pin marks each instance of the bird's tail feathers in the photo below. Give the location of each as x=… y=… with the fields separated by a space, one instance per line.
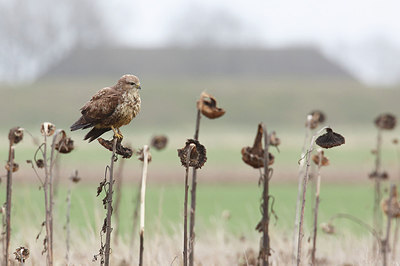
x=94 y=133
x=82 y=123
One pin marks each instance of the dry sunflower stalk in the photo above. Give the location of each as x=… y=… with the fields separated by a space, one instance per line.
x=208 y=106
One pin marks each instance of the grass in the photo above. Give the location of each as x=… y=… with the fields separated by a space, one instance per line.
x=165 y=206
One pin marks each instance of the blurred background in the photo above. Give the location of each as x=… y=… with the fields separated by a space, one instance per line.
x=264 y=61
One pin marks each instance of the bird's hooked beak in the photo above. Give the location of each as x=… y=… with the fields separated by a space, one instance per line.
x=138 y=87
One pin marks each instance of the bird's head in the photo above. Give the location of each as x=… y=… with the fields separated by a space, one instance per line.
x=129 y=82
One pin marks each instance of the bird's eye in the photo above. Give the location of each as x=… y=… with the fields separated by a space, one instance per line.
x=132 y=83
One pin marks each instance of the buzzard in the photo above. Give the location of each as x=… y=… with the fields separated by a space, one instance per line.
x=110 y=108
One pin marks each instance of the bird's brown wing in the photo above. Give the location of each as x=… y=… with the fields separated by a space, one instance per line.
x=101 y=106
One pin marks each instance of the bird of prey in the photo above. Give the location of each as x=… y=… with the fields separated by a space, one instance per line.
x=110 y=108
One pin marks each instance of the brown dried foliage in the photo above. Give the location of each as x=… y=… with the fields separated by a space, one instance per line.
x=208 y=106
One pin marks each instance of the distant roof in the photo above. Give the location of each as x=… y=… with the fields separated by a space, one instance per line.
x=270 y=63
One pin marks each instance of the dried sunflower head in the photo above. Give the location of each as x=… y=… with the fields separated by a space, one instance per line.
x=47 y=129
x=324 y=160
x=394 y=206
x=328 y=228
x=125 y=152
x=386 y=121
x=254 y=156
x=40 y=163
x=379 y=175
x=14 y=167
x=75 y=178
x=330 y=139
x=65 y=144
x=15 y=135
x=317 y=117
x=198 y=155
x=140 y=155
x=159 y=142
x=21 y=254
x=208 y=106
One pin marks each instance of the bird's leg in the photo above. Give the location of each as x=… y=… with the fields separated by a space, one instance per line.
x=117 y=132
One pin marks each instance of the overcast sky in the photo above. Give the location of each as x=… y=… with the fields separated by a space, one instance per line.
x=363 y=35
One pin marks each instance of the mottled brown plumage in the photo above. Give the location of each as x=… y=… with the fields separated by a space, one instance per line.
x=110 y=108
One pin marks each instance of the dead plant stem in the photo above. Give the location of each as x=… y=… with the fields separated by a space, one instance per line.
x=317 y=191
x=300 y=176
x=185 y=238
x=8 y=202
x=305 y=181
x=107 y=250
x=142 y=201
x=385 y=244
x=193 y=198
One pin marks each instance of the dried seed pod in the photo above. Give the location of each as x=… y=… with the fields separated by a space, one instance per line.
x=328 y=228
x=208 y=106
x=140 y=155
x=386 y=121
x=395 y=141
x=47 y=129
x=324 y=160
x=159 y=142
x=394 y=206
x=14 y=167
x=330 y=139
x=40 y=163
x=64 y=145
x=379 y=175
x=15 y=135
x=254 y=156
x=317 y=117
x=21 y=254
x=198 y=155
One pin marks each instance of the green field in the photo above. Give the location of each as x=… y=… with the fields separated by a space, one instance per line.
x=164 y=206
